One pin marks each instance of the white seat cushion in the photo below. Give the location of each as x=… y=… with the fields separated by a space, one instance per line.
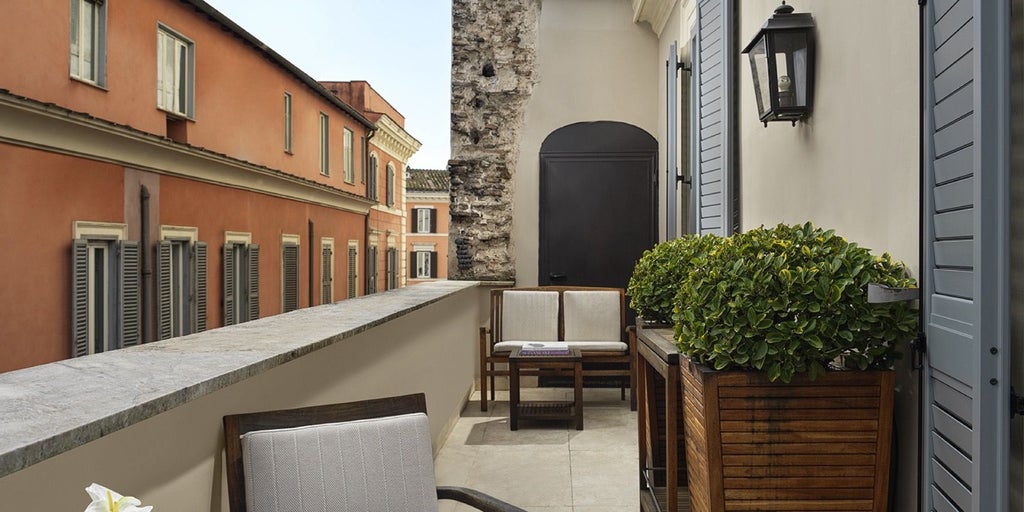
x=587 y=346
x=529 y=315
x=380 y=465
x=592 y=316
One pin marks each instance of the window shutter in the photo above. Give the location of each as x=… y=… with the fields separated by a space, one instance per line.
x=290 y=264
x=371 y=184
x=432 y=215
x=713 y=170
x=413 y=263
x=371 y=270
x=230 y=301
x=253 y=260
x=326 y=286
x=390 y=186
x=199 y=271
x=79 y=298
x=352 y=255
x=433 y=264
x=965 y=298
x=130 y=311
x=163 y=290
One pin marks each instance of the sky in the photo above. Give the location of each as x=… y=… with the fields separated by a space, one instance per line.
x=402 y=47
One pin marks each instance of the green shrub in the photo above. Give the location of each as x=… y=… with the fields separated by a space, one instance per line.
x=789 y=300
x=657 y=276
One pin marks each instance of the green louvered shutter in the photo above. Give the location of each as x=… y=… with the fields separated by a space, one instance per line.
x=79 y=298
x=253 y=260
x=164 y=290
x=352 y=264
x=230 y=301
x=966 y=381
x=326 y=284
x=713 y=179
x=129 y=310
x=290 y=269
x=371 y=269
x=199 y=271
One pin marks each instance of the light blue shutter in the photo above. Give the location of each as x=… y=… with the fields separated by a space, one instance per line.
x=253 y=259
x=230 y=301
x=713 y=161
x=79 y=298
x=199 y=288
x=966 y=370
x=129 y=294
x=164 y=291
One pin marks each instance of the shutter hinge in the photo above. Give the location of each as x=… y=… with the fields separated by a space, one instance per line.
x=918 y=347
x=684 y=179
x=1016 y=403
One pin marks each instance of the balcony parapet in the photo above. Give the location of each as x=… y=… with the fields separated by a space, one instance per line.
x=50 y=409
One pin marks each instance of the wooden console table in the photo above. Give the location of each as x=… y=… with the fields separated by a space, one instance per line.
x=548 y=410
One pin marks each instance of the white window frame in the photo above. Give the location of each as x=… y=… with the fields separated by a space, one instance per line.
x=287 y=122
x=423 y=263
x=87 y=46
x=173 y=99
x=325 y=144
x=349 y=155
x=101 y=237
x=423 y=221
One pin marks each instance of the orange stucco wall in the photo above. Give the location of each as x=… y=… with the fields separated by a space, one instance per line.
x=361 y=95
x=236 y=87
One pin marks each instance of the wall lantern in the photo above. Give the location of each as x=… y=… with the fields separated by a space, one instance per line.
x=782 y=65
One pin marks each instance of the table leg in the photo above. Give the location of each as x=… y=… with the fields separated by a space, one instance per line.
x=513 y=394
x=578 y=393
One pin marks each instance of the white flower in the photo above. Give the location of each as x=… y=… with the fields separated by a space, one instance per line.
x=105 y=500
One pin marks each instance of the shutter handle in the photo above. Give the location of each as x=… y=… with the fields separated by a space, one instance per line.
x=554 y=276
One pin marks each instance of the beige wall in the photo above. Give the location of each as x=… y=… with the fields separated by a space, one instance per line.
x=174 y=461
x=593 y=64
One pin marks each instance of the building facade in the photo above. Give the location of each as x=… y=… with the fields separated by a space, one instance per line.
x=428 y=213
x=167 y=173
x=909 y=150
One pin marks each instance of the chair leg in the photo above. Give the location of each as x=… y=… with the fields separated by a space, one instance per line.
x=483 y=385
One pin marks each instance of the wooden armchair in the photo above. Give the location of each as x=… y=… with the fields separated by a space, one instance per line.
x=590 y=318
x=369 y=456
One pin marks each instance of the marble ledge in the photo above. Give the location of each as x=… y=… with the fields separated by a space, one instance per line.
x=45 y=410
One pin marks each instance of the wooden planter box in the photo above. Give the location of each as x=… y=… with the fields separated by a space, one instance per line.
x=820 y=445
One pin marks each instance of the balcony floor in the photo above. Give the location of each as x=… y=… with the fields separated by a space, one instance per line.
x=546 y=466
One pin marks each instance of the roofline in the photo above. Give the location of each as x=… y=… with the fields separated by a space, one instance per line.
x=240 y=32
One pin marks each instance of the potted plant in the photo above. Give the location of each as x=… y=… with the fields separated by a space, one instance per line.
x=653 y=286
x=768 y=320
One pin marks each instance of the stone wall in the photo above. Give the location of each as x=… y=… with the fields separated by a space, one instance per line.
x=493 y=64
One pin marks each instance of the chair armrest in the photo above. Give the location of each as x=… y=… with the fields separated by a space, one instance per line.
x=475 y=499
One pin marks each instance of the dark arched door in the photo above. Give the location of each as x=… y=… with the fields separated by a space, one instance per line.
x=598 y=207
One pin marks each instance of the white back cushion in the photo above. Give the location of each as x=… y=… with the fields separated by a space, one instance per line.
x=592 y=316
x=379 y=465
x=529 y=316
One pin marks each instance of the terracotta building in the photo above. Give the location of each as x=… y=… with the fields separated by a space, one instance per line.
x=427 y=238
x=389 y=148
x=165 y=173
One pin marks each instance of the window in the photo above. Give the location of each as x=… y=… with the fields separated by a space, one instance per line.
x=287 y=122
x=175 y=73
x=426 y=264
x=289 y=273
x=325 y=145
x=88 y=40
x=353 y=263
x=326 y=270
x=389 y=188
x=241 y=279
x=391 y=270
x=371 y=182
x=371 y=269
x=181 y=282
x=350 y=167
x=426 y=221
x=104 y=289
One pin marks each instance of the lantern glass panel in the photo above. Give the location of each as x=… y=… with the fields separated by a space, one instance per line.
x=759 y=69
x=791 y=60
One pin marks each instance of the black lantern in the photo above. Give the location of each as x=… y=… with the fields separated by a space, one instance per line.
x=782 y=65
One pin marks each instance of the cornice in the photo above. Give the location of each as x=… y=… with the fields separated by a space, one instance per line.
x=394 y=139
x=426 y=197
x=27 y=123
x=654 y=12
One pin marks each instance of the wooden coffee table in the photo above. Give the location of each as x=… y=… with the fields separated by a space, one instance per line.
x=552 y=410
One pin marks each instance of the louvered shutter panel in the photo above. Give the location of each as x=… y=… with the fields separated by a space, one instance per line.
x=199 y=271
x=371 y=185
x=326 y=286
x=432 y=215
x=253 y=260
x=352 y=255
x=671 y=138
x=712 y=64
x=79 y=298
x=413 y=263
x=966 y=370
x=390 y=185
x=290 y=264
x=130 y=310
x=371 y=270
x=164 y=292
x=433 y=264
x=230 y=301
